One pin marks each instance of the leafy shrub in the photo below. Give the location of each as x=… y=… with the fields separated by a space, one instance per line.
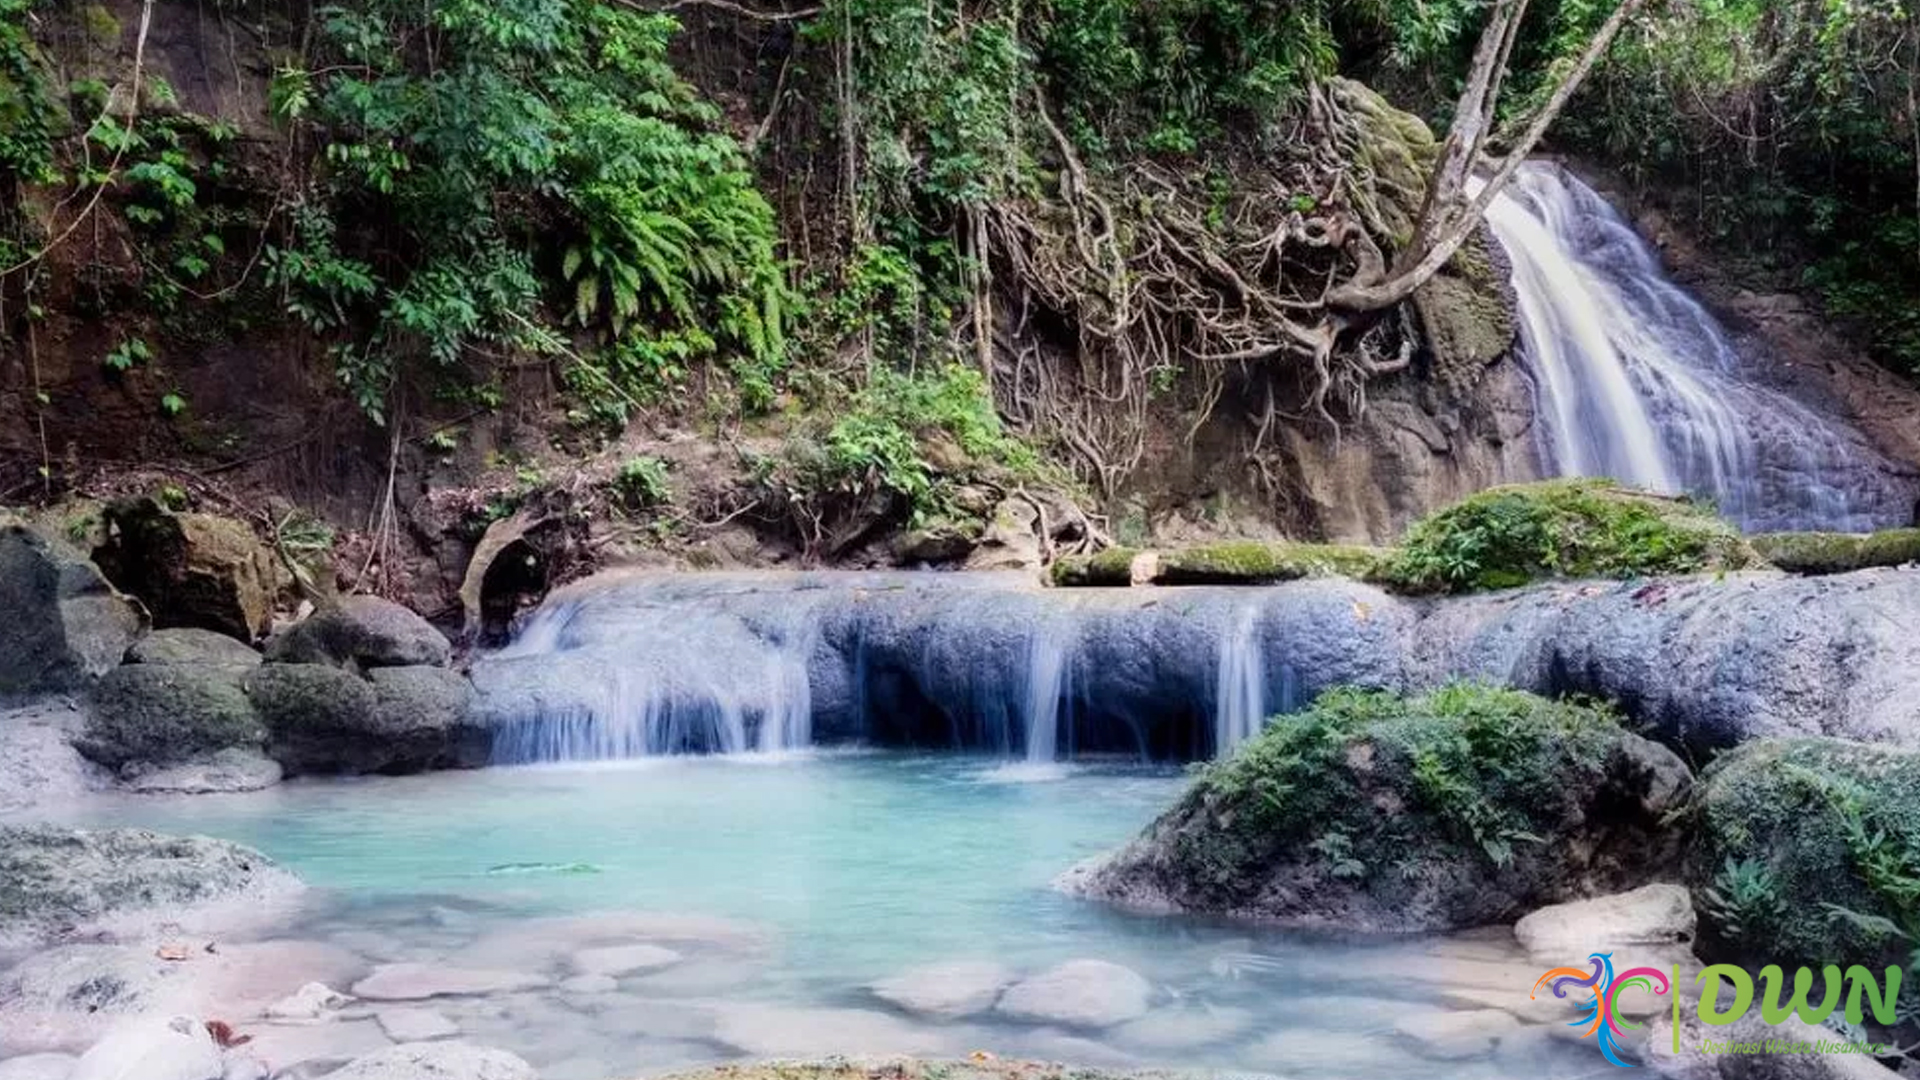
x=1510 y=536
x=642 y=483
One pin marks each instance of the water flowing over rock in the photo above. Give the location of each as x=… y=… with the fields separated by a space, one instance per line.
x=628 y=665
x=1635 y=380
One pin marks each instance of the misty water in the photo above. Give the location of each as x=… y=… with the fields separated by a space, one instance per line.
x=799 y=879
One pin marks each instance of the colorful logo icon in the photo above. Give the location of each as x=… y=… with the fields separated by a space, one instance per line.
x=1600 y=1015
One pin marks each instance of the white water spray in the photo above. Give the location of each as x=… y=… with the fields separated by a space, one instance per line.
x=1240 y=688
x=1635 y=380
x=1049 y=654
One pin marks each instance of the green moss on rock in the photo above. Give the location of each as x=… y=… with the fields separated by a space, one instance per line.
x=1372 y=811
x=1838 y=553
x=1808 y=851
x=1249 y=562
x=1113 y=566
x=1510 y=536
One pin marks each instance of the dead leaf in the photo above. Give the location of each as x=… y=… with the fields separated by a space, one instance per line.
x=171 y=951
x=224 y=1034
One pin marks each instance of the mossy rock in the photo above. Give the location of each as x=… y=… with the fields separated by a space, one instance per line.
x=1249 y=562
x=1370 y=811
x=163 y=713
x=1113 y=566
x=1837 y=553
x=1510 y=536
x=1807 y=851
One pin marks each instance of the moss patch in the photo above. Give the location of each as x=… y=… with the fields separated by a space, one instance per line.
x=1510 y=536
x=1113 y=566
x=1370 y=810
x=1837 y=553
x=1808 y=851
x=1255 y=563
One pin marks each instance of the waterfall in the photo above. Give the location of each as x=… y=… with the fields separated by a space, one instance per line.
x=1636 y=380
x=1049 y=654
x=1240 y=688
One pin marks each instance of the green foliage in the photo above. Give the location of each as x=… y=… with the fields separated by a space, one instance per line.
x=28 y=117
x=642 y=483
x=1370 y=785
x=127 y=355
x=1837 y=553
x=1808 y=851
x=1510 y=536
x=539 y=150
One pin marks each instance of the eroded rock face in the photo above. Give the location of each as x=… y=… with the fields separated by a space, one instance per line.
x=64 y=624
x=191 y=570
x=161 y=714
x=54 y=880
x=365 y=631
x=1461 y=808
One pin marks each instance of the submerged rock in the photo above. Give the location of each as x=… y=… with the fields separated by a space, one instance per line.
x=153 y=1048
x=233 y=769
x=168 y=713
x=1078 y=993
x=415 y=1025
x=946 y=991
x=64 y=623
x=1454 y=1035
x=1782 y=829
x=623 y=959
x=418 y=982
x=365 y=631
x=55 y=880
x=1464 y=807
x=773 y=1031
x=436 y=1061
x=1651 y=914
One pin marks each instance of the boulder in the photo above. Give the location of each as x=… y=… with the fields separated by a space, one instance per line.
x=313 y=1001
x=1450 y=1035
x=197 y=570
x=229 y=770
x=1078 y=993
x=1784 y=830
x=153 y=1048
x=324 y=719
x=1651 y=914
x=1011 y=539
x=436 y=1061
x=946 y=991
x=1838 y=553
x=365 y=631
x=623 y=959
x=191 y=645
x=1463 y=807
x=168 y=713
x=55 y=880
x=64 y=623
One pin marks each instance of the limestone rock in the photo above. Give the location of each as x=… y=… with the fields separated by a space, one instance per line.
x=1329 y=820
x=590 y=984
x=1011 y=540
x=623 y=959
x=946 y=991
x=415 y=1025
x=1078 y=993
x=1452 y=1036
x=38 y=1067
x=153 y=1048
x=1649 y=914
x=64 y=623
x=1186 y=1029
x=325 y=719
x=191 y=645
x=168 y=713
x=233 y=769
x=776 y=1032
x=53 y=878
x=418 y=982
x=38 y=764
x=313 y=1001
x=426 y=716
x=197 y=570
x=366 y=631
x=436 y=1061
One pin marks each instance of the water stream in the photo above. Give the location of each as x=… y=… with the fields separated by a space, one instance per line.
x=1636 y=380
x=788 y=884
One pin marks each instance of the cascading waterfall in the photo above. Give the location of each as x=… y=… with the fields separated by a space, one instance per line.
x=1240 y=691
x=1635 y=380
x=1049 y=655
